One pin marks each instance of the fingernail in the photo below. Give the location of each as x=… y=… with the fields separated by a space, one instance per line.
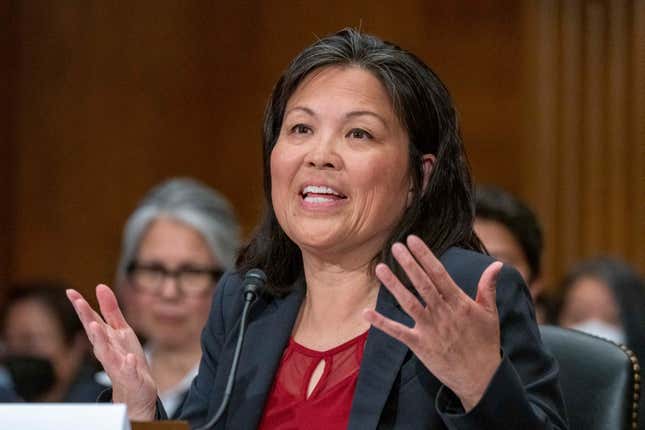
x=414 y=237
x=499 y=270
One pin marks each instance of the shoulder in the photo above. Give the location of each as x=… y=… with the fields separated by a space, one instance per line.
x=228 y=299
x=466 y=267
x=230 y=283
x=464 y=261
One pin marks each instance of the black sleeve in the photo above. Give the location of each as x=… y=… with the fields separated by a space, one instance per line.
x=524 y=392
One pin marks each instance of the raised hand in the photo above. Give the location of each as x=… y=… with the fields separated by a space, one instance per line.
x=455 y=337
x=119 y=351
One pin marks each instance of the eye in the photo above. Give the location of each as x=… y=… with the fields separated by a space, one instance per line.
x=359 y=133
x=301 y=129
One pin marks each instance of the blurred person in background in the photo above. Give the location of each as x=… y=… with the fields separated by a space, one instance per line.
x=512 y=234
x=606 y=297
x=176 y=244
x=46 y=354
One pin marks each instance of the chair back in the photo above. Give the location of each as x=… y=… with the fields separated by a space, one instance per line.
x=599 y=379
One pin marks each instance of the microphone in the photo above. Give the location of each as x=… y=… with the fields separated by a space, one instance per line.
x=252 y=286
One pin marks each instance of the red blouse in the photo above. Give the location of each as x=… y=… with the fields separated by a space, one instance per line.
x=328 y=405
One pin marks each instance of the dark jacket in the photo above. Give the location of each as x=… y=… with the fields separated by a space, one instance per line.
x=8 y=396
x=84 y=388
x=394 y=389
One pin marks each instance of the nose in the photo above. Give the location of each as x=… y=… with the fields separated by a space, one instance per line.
x=324 y=154
x=170 y=288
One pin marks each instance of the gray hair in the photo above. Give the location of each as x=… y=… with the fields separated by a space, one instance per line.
x=192 y=203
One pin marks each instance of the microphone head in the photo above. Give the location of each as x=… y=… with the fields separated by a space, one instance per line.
x=253 y=283
x=256 y=274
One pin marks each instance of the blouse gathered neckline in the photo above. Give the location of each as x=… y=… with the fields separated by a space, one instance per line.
x=328 y=404
x=316 y=353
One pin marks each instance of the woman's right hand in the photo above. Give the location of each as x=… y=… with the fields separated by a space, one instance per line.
x=119 y=351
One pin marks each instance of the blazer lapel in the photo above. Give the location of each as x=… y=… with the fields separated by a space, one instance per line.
x=382 y=360
x=268 y=332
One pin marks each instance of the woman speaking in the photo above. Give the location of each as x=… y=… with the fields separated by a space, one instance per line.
x=380 y=310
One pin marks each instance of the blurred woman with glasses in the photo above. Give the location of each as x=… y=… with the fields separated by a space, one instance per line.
x=176 y=245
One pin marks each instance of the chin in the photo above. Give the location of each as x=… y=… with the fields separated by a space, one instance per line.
x=172 y=344
x=168 y=331
x=316 y=239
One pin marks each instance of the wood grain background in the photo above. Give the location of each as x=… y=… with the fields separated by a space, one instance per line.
x=106 y=99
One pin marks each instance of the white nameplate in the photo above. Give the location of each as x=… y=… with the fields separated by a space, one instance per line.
x=50 y=416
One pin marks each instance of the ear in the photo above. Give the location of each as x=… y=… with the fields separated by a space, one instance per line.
x=427 y=163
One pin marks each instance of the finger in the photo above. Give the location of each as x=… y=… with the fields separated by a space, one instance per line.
x=417 y=276
x=397 y=330
x=84 y=311
x=73 y=295
x=109 y=356
x=403 y=296
x=110 y=307
x=487 y=287
x=442 y=281
x=130 y=368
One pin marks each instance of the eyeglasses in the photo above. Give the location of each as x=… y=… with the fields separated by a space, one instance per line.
x=191 y=280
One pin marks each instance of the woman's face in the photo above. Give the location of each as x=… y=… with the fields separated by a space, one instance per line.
x=589 y=299
x=31 y=328
x=165 y=315
x=339 y=169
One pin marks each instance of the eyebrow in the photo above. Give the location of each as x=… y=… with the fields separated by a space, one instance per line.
x=348 y=115
x=368 y=113
x=301 y=108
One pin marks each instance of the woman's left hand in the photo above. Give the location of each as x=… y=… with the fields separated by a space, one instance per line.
x=455 y=337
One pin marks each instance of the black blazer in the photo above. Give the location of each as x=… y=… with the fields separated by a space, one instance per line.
x=394 y=389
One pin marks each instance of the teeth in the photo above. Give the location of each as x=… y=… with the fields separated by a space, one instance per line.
x=314 y=189
x=317 y=199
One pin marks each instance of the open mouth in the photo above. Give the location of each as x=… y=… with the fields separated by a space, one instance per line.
x=320 y=194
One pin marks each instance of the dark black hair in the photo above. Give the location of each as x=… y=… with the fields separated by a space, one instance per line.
x=628 y=290
x=52 y=296
x=493 y=203
x=442 y=214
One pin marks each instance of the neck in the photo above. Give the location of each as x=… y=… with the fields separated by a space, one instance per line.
x=336 y=296
x=170 y=364
x=173 y=356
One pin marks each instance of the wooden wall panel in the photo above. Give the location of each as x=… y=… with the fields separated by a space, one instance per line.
x=586 y=86
x=109 y=99
x=637 y=134
x=112 y=98
x=7 y=56
x=540 y=124
x=617 y=130
x=570 y=132
x=594 y=206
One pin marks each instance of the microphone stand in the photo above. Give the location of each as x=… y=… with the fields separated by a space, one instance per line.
x=254 y=281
